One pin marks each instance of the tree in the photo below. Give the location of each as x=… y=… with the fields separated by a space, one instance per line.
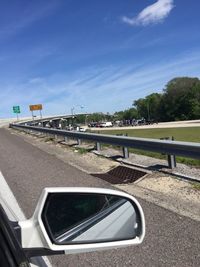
x=181 y=99
x=99 y=116
x=127 y=114
x=149 y=106
x=141 y=106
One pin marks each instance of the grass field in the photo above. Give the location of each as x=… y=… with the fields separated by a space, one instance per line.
x=189 y=134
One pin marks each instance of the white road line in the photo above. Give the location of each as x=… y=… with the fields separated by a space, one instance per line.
x=14 y=212
x=9 y=199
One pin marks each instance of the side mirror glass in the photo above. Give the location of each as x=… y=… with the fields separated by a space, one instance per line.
x=74 y=218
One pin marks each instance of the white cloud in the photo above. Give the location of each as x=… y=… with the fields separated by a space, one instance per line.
x=152 y=14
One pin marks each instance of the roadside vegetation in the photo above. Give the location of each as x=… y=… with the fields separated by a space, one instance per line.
x=187 y=134
x=179 y=100
x=196 y=185
x=80 y=150
x=190 y=134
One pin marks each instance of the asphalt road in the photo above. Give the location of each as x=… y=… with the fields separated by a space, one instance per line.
x=171 y=240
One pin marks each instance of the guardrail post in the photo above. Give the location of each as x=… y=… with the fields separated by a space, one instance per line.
x=125 y=151
x=98 y=146
x=55 y=136
x=79 y=141
x=171 y=161
x=66 y=139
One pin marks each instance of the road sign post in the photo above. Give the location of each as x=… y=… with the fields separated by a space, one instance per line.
x=16 y=110
x=40 y=114
x=36 y=107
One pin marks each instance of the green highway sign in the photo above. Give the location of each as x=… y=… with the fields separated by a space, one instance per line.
x=16 y=109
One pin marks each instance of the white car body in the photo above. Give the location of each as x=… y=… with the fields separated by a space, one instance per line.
x=81 y=129
x=107 y=124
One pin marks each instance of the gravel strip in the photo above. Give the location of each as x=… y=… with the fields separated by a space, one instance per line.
x=181 y=171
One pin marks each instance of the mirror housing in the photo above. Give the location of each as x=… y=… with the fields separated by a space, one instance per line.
x=116 y=210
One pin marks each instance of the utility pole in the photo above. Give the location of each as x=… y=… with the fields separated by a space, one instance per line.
x=72 y=111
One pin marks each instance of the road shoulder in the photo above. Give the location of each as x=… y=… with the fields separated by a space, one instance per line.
x=163 y=190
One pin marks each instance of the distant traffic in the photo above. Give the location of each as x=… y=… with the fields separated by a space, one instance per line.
x=72 y=123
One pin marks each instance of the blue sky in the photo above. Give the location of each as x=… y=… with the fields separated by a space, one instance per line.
x=101 y=55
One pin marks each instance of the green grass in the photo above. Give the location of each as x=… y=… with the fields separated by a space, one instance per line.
x=196 y=185
x=187 y=134
x=49 y=139
x=81 y=150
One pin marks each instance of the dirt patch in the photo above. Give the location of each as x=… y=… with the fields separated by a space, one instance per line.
x=172 y=187
x=168 y=192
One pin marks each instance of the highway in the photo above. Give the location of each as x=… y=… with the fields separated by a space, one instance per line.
x=171 y=239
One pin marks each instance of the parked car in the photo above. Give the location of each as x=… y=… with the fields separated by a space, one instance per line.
x=106 y=124
x=81 y=129
x=139 y=122
x=70 y=128
x=92 y=124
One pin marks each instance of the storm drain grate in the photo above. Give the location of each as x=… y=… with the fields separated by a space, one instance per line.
x=121 y=175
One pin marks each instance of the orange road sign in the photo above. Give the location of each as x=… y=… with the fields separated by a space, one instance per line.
x=35 y=107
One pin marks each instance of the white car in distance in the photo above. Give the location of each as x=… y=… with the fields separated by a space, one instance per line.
x=106 y=124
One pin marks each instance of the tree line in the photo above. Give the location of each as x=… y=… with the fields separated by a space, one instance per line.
x=179 y=100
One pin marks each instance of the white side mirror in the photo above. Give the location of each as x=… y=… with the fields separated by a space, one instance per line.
x=75 y=220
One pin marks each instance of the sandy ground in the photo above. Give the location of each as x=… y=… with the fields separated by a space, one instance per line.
x=148 y=163
x=170 y=193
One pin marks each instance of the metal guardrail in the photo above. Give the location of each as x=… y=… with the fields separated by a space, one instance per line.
x=168 y=147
